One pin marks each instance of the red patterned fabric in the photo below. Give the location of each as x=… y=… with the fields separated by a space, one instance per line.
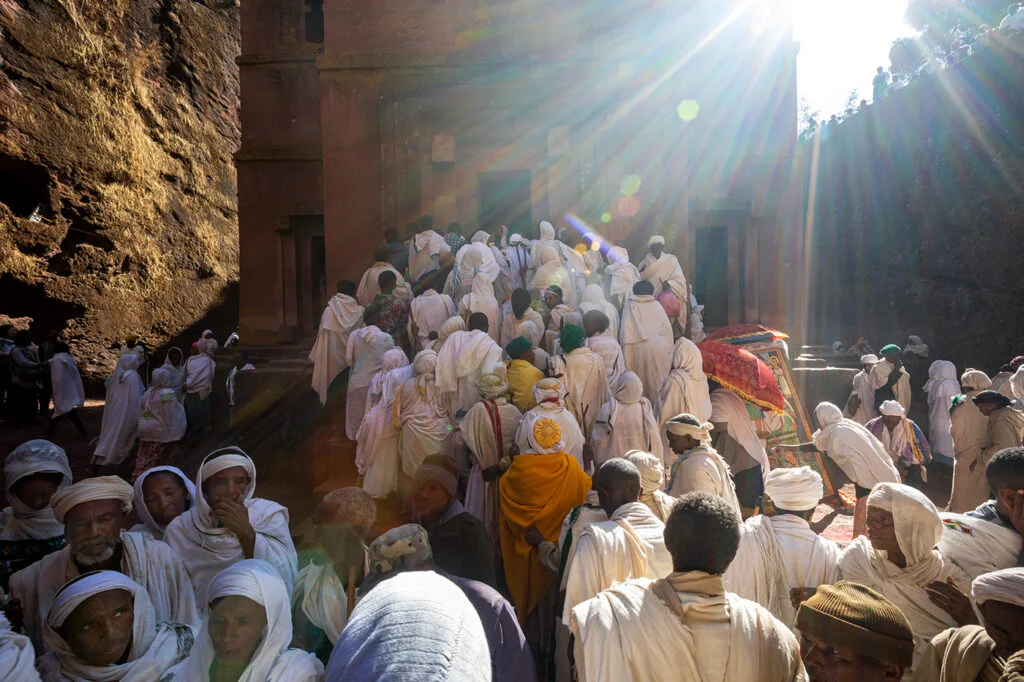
x=739 y=333
x=742 y=372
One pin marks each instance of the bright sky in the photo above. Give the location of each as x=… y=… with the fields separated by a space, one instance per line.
x=841 y=45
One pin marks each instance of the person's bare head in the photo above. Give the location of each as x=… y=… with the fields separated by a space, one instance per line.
x=617 y=482
x=343 y=521
x=478 y=322
x=1005 y=474
x=702 y=533
x=595 y=322
x=387 y=281
x=93 y=529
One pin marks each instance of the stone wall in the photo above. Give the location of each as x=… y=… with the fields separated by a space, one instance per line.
x=920 y=215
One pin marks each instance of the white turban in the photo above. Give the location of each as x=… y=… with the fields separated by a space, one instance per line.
x=891 y=408
x=656 y=239
x=548 y=390
x=652 y=473
x=216 y=462
x=99 y=488
x=701 y=433
x=868 y=359
x=797 y=489
x=1006 y=586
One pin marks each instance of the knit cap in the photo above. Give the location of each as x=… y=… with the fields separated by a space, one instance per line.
x=850 y=615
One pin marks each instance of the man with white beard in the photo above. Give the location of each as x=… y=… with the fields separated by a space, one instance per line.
x=93 y=512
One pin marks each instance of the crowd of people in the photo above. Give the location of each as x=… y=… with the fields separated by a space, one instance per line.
x=584 y=503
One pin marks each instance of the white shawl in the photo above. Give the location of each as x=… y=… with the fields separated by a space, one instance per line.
x=730 y=409
x=369 y=289
x=424 y=250
x=626 y=422
x=978 y=546
x=647 y=343
x=428 y=312
x=323 y=599
x=377 y=441
x=419 y=409
x=121 y=412
x=901 y=389
x=941 y=388
x=685 y=390
x=342 y=315
x=365 y=353
x=583 y=377
x=631 y=544
x=19 y=521
x=199 y=370
x=163 y=417
x=481 y=300
x=703 y=469
x=476 y=259
x=593 y=299
x=622 y=274
x=862 y=389
x=610 y=351
x=272 y=661
x=154 y=648
x=16 y=655
x=853 y=448
x=665 y=270
x=149 y=524
x=208 y=548
x=68 y=392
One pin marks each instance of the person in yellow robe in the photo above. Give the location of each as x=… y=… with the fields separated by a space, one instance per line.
x=521 y=373
x=537 y=492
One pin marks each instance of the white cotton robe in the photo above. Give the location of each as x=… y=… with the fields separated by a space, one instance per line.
x=703 y=469
x=777 y=554
x=647 y=343
x=481 y=300
x=942 y=386
x=489 y=431
x=369 y=289
x=666 y=270
x=685 y=390
x=426 y=429
x=365 y=353
x=208 y=548
x=968 y=428
x=593 y=299
x=424 y=252
x=68 y=392
x=377 y=456
x=586 y=387
x=572 y=436
x=631 y=544
x=608 y=348
x=853 y=448
x=342 y=315
x=862 y=389
x=624 y=423
x=427 y=313
x=121 y=412
x=621 y=274
x=462 y=360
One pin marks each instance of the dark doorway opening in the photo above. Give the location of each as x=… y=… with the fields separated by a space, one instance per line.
x=314 y=21
x=505 y=200
x=711 y=285
x=310 y=270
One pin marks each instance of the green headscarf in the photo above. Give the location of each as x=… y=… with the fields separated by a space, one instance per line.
x=572 y=338
x=517 y=347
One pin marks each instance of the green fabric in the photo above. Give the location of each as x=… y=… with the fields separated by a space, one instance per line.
x=572 y=338
x=891 y=348
x=517 y=347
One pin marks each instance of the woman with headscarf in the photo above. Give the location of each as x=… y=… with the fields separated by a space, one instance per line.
x=626 y=422
x=365 y=354
x=102 y=627
x=247 y=630
x=549 y=395
x=199 y=370
x=900 y=560
x=227 y=524
x=533 y=333
x=489 y=431
x=162 y=494
x=17 y=656
x=583 y=375
x=551 y=273
x=968 y=428
x=601 y=341
x=652 y=480
x=621 y=275
x=420 y=411
x=377 y=440
x=161 y=425
x=503 y=282
x=481 y=300
x=593 y=299
x=449 y=327
x=686 y=387
x=174 y=363
x=516 y=311
x=33 y=472
x=475 y=259
x=120 y=412
x=941 y=388
x=855 y=450
x=427 y=313
x=545 y=239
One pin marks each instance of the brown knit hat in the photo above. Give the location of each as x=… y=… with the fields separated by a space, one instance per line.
x=851 y=615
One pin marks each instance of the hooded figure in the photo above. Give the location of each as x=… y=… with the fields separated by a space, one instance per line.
x=120 y=413
x=622 y=275
x=626 y=422
x=481 y=300
x=593 y=299
x=685 y=390
x=161 y=425
x=377 y=458
x=420 y=410
x=941 y=388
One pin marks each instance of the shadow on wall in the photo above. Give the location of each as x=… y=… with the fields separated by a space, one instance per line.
x=920 y=216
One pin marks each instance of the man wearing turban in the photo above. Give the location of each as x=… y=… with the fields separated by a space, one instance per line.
x=93 y=512
x=537 y=492
x=903 y=440
x=780 y=554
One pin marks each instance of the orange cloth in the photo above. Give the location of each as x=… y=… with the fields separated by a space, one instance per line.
x=537 y=490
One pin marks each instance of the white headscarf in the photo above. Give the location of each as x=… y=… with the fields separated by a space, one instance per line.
x=19 y=521
x=153 y=651
x=449 y=327
x=549 y=389
x=1006 y=586
x=528 y=330
x=424 y=367
x=855 y=449
x=144 y=515
x=98 y=488
x=272 y=661
x=942 y=379
x=550 y=271
x=891 y=408
x=17 y=657
x=797 y=489
x=686 y=387
x=975 y=380
x=593 y=299
x=916 y=346
x=477 y=259
x=918 y=530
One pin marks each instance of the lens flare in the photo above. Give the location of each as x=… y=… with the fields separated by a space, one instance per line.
x=688 y=110
x=630 y=185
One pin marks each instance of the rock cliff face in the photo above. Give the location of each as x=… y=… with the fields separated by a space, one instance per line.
x=118 y=121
